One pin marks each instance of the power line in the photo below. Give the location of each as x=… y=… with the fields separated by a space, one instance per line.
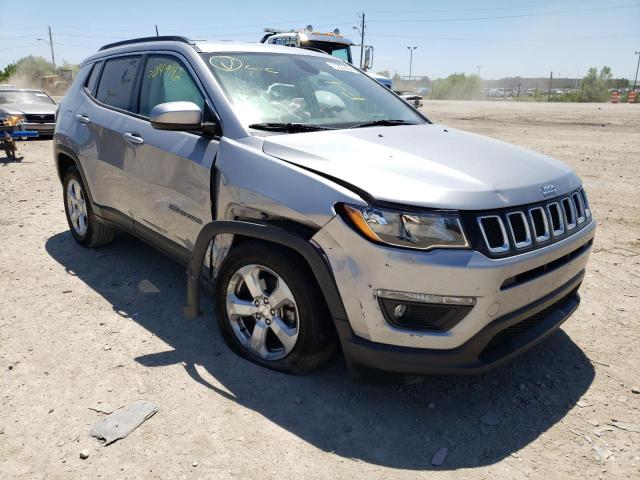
x=18 y=36
x=15 y=47
x=263 y=24
x=481 y=9
x=507 y=40
x=502 y=17
x=58 y=27
x=87 y=36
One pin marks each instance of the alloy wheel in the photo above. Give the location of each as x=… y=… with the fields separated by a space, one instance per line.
x=77 y=207
x=262 y=312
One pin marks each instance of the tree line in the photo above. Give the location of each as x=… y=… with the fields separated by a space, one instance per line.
x=594 y=87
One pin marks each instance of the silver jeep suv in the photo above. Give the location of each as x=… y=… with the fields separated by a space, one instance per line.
x=323 y=208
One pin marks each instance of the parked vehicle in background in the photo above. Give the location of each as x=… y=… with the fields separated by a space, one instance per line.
x=324 y=208
x=28 y=109
x=332 y=43
x=59 y=83
x=411 y=98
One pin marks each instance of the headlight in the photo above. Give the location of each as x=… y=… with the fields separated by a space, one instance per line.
x=422 y=231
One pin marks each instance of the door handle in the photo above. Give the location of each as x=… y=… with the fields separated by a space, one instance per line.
x=133 y=138
x=83 y=119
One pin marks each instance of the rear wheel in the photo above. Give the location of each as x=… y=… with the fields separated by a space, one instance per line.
x=85 y=227
x=270 y=309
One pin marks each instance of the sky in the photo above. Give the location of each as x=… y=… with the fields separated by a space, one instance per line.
x=497 y=38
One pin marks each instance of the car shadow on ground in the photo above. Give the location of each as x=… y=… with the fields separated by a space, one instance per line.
x=480 y=420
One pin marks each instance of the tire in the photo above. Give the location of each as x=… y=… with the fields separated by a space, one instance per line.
x=91 y=232
x=307 y=315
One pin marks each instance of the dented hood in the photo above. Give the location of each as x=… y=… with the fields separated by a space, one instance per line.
x=426 y=165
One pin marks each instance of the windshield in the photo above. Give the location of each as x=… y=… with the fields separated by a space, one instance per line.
x=307 y=90
x=342 y=53
x=8 y=96
x=339 y=50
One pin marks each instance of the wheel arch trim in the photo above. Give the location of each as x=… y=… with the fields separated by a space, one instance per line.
x=64 y=150
x=310 y=253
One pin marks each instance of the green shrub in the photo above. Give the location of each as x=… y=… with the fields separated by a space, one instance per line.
x=457 y=86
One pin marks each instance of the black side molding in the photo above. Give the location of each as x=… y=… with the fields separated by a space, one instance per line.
x=269 y=233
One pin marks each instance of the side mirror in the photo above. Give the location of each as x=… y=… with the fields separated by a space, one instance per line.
x=367 y=62
x=176 y=116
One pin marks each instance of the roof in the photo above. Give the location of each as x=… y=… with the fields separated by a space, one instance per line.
x=232 y=46
x=204 y=46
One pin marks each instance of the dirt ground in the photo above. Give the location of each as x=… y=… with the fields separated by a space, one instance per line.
x=98 y=329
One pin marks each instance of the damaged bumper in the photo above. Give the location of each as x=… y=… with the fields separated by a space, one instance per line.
x=488 y=310
x=496 y=343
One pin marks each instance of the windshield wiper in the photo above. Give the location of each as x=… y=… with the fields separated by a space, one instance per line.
x=289 y=127
x=383 y=123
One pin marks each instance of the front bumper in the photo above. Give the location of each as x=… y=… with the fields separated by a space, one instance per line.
x=41 y=128
x=496 y=343
x=507 y=291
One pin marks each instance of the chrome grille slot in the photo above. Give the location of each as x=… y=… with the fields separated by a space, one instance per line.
x=494 y=234
x=519 y=229
x=585 y=200
x=569 y=213
x=540 y=224
x=556 y=219
x=579 y=206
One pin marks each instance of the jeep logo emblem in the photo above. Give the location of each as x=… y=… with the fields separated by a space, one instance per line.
x=548 y=190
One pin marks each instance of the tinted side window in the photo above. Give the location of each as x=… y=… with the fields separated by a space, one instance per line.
x=92 y=80
x=166 y=80
x=118 y=81
x=341 y=53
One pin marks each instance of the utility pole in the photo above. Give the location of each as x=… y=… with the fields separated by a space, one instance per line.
x=519 y=84
x=53 y=58
x=549 y=92
x=50 y=43
x=479 y=67
x=157 y=34
x=362 y=27
x=635 y=81
x=411 y=49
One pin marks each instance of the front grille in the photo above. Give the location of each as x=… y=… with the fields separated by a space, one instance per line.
x=511 y=231
x=37 y=118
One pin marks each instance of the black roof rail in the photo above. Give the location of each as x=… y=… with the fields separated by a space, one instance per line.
x=163 y=38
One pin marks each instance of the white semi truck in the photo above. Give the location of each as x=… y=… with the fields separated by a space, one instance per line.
x=332 y=43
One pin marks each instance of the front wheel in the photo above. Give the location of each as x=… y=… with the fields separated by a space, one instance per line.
x=270 y=309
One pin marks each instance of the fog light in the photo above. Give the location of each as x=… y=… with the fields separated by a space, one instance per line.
x=415 y=311
x=399 y=311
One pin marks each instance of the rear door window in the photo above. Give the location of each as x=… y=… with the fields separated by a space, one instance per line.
x=92 y=80
x=117 y=82
x=166 y=80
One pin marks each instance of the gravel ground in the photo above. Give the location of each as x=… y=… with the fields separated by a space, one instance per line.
x=85 y=330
